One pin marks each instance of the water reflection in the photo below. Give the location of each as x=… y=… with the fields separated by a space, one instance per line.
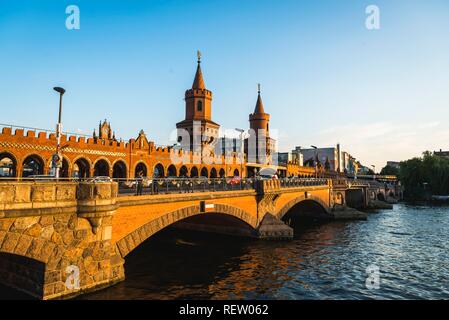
x=324 y=261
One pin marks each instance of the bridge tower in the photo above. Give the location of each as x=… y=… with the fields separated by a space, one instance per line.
x=259 y=145
x=202 y=131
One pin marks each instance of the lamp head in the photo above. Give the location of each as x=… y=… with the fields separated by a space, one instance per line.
x=59 y=89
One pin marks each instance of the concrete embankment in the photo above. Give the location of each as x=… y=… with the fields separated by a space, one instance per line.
x=391 y=200
x=347 y=213
x=378 y=204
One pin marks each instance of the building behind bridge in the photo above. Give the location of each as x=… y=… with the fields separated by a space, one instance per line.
x=200 y=150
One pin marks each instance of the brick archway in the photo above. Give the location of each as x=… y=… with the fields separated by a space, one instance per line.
x=138 y=236
x=159 y=171
x=171 y=171
x=183 y=171
x=289 y=205
x=194 y=172
x=83 y=165
x=140 y=167
x=119 y=169
x=13 y=166
x=33 y=164
x=204 y=172
x=66 y=168
x=102 y=167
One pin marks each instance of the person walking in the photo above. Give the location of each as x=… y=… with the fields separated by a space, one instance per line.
x=139 y=181
x=155 y=185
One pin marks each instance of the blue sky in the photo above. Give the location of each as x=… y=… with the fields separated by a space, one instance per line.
x=383 y=94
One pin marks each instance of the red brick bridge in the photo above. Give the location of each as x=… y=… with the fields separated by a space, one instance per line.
x=60 y=239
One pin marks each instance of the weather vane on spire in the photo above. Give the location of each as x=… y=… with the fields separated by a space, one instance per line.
x=258 y=87
x=198 y=54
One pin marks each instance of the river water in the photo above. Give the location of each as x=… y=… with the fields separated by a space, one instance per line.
x=409 y=246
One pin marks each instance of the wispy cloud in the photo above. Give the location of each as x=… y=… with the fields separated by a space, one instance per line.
x=377 y=142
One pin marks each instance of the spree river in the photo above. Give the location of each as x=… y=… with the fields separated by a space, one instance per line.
x=409 y=245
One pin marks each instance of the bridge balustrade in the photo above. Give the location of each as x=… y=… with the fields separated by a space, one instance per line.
x=302 y=182
x=203 y=184
x=182 y=185
x=175 y=185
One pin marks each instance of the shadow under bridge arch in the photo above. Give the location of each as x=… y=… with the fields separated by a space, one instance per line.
x=224 y=219
x=303 y=209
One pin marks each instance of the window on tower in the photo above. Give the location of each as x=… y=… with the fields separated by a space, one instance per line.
x=199 y=106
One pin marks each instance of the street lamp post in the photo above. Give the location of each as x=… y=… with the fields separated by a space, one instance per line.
x=374 y=171
x=241 y=150
x=315 y=161
x=225 y=156
x=57 y=157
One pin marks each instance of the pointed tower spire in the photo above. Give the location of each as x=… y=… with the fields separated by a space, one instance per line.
x=259 y=105
x=198 y=82
x=259 y=123
x=198 y=102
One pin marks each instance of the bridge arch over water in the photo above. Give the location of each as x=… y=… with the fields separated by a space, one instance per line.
x=302 y=204
x=132 y=240
x=26 y=272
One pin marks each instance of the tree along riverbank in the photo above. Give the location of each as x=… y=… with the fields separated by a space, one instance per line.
x=423 y=176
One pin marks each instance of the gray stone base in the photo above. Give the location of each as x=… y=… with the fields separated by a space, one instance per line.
x=347 y=213
x=391 y=200
x=377 y=204
x=115 y=275
x=271 y=228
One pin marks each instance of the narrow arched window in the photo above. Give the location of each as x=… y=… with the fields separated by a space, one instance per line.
x=199 y=106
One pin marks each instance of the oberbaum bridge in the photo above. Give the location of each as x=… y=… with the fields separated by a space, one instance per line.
x=63 y=237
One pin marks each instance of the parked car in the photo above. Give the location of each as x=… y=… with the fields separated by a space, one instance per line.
x=133 y=183
x=100 y=179
x=202 y=179
x=267 y=174
x=235 y=180
x=147 y=181
x=130 y=184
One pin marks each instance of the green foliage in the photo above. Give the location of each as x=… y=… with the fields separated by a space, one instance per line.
x=429 y=173
x=389 y=171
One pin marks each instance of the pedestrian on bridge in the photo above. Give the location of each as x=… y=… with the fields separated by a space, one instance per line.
x=139 y=184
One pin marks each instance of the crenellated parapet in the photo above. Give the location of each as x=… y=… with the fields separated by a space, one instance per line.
x=49 y=138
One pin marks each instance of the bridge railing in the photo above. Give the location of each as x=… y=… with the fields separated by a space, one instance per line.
x=169 y=185
x=148 y=186
x=204 y=184
x=302 y=182
x=355 y=183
